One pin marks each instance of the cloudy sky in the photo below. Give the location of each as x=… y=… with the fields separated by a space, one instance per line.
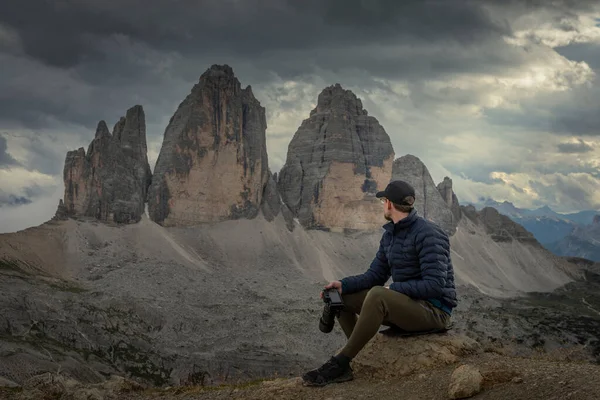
x=502 y=96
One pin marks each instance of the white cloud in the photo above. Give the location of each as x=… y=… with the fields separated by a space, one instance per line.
x=553 y=31
x=16 y=180
x=13 y=219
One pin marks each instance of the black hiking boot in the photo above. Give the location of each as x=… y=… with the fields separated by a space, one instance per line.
x=330 y=372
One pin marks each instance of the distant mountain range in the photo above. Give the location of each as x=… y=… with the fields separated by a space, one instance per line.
x=583 y=241
x=574 y=234
x=507 y=208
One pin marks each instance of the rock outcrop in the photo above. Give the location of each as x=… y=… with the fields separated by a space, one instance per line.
x=429 y=202
x=213 y=162
x=272 y=205
x=337 y=160
x=500 y=227
x=61 y=214
x=389 y=357
x=109 y=182
x=445 y=189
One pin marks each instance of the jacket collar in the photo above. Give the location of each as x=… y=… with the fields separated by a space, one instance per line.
x=404 y=223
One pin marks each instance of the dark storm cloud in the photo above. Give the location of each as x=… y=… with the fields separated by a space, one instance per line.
x=579 y=147
x=571 y=112
x=91 y=60
x=40 y=97
x=101 y=57
x=63 y=33
x=6 y=160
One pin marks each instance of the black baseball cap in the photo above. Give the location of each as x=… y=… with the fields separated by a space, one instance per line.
x=397 y=191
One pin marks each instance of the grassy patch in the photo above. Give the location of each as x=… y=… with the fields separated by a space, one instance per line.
x=68 y=288
x=11 y=265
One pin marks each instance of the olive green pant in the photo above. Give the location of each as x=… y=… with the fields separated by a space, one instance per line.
x=377 y=306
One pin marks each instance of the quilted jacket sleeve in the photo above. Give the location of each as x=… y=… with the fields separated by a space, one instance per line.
x=377 y=274
x=433 y=247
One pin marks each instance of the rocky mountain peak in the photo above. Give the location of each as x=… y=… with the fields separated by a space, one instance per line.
x=338 y=158
x=335 y=97
x=445 y=189
x=217 y=70
x=213 y=162
x=102 y=130
x=430 y=203
x=110 y=181
x=128 y=129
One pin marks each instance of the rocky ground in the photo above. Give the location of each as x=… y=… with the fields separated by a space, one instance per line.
x=427 y=367
x=192 y=306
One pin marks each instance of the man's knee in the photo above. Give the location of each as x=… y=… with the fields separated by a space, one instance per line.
x=382 y=294
x=376 y=293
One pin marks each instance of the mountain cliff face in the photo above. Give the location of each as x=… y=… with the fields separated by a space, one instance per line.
x=500 y=258
x=337 y=160
x=445 y=189
x=109 y=181
x=500 y=227
x=429 y=202
x=213 y=162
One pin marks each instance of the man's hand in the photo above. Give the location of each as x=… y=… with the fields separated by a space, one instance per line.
x=335 y=284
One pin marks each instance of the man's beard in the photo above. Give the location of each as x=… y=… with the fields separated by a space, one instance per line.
x=387 y=217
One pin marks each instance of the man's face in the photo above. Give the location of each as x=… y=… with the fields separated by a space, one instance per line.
x=387 y=209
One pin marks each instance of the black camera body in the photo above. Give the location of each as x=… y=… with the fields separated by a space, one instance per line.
x=333 y=306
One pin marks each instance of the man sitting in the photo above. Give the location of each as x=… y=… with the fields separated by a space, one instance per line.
x=416 y=254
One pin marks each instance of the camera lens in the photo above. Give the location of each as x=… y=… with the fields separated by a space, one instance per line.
x=327 y=320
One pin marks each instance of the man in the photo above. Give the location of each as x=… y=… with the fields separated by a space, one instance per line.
x=416 y=254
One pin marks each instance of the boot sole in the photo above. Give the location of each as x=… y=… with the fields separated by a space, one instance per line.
x=343 y=378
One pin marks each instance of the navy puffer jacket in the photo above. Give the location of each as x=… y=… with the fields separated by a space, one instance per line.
x=416 y=254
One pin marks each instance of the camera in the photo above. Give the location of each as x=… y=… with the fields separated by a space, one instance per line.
x=333 y=306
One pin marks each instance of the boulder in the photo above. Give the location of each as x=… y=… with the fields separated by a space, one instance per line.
x=387 y=357
x=466 y=381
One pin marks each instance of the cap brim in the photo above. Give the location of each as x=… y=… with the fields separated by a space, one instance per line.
x=380 y=194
